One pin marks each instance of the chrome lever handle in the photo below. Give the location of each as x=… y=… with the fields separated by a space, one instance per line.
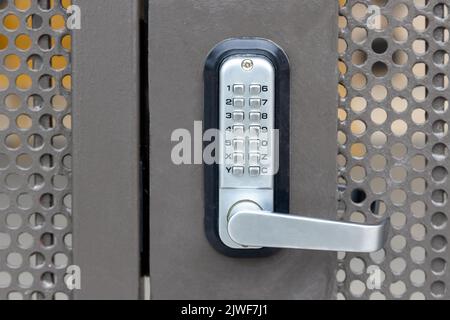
x=250 y=226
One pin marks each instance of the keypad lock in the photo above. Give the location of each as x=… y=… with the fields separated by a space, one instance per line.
x=247 y=88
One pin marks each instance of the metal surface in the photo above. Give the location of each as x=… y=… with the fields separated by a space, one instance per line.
x=181 y=33
x=393 y=152
x=233 y=188
x=35 y=150
x=106 y=185
x=262 y=73
x=258 y=228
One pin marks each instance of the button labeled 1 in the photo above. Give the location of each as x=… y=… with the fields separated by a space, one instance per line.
x=239 y=89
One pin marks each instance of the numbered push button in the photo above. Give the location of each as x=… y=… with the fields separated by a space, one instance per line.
x=255 y=103
x=253 y=146
x=254 y=159
x=254 y=171
x=238 y=171
x=238 y=131
x=239 y=89
x=238 y=159
x=255 y=116
x=239 y=103
x=254 y=132
x=238 y=116
x=255 y=89
x=239 y=145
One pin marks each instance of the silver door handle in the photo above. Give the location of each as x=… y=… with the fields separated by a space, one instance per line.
x=250 y=226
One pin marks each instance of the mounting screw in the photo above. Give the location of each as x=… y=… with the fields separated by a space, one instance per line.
x=247 y=65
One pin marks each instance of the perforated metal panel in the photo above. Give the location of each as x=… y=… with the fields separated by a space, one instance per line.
x=35 y=149
x=393 y=145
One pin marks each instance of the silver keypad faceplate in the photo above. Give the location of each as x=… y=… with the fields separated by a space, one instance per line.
x=247 y=148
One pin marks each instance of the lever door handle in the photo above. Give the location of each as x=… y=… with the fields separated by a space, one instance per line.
x=250 y=226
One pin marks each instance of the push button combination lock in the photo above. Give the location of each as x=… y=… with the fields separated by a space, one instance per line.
x=247 y=88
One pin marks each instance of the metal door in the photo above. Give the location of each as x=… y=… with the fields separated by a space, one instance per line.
x=181 y=34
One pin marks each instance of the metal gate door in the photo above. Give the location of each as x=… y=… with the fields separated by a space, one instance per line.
x=182 y=262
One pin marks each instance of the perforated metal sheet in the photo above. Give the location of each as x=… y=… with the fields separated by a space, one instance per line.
x=393 y=145
x=35 y=149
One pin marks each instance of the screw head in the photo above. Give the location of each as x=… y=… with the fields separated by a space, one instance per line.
x=247 y=65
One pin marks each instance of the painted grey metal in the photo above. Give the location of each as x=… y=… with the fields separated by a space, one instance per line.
x=181 y=33
x=35 y=152
x=106 y=150
x=250 y=226
x=393 y=154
